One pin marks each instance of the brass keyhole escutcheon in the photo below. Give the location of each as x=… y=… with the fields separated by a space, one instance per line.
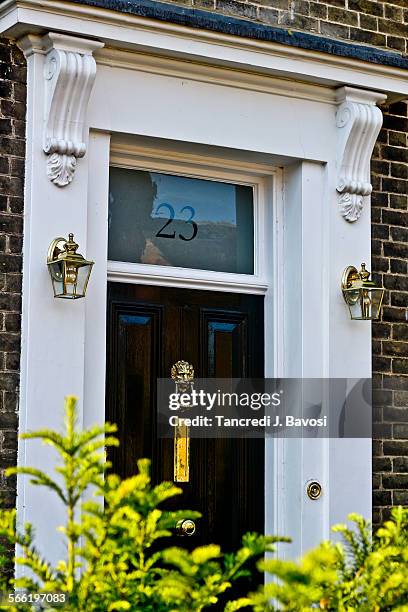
x=186 y=527
x=314 y=490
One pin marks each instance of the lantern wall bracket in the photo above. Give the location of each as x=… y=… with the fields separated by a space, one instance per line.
x=56 y=247
x=358 y=121
x=69 y=72
x=349 y=275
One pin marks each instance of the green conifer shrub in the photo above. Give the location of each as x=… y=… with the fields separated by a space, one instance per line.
x=117 y=558
x=113 y=560
x=363 y=573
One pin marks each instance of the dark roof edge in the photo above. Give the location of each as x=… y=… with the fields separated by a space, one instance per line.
x=215 y=22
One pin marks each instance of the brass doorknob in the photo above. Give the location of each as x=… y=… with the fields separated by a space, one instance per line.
x=185 y=527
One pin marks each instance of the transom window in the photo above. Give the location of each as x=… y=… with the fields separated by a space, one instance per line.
x=170 y=220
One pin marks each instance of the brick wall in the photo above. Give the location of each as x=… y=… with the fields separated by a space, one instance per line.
x=390 y=336
x=382 y=24
x=12 y=150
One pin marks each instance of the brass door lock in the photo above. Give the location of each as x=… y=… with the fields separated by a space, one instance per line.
x=314 y=490
x=185 y=527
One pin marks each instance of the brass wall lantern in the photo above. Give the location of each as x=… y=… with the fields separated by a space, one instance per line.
x=362 y=296
x=69 y=270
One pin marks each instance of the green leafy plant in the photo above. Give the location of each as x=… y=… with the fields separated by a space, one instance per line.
x=114 y=560
x=117 y=558
x=363 y=573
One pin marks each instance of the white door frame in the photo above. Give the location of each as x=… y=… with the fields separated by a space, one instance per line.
x=291 y=202
x=267 y=182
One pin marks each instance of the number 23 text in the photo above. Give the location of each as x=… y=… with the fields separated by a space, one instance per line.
x=189 y=221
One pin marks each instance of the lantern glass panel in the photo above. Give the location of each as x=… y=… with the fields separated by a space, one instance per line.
x=56 y=270
x=75 y=280
x=364 y=303
x=70 y=281
x=83 y=277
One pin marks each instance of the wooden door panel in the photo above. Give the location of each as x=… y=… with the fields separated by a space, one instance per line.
x=134 y=365
x=224 y=344
x=221 y=334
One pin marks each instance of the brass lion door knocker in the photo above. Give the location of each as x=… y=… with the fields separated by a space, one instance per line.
x=182 y=373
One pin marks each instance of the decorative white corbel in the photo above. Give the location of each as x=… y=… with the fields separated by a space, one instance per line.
x=358 y=121
x=69 y=72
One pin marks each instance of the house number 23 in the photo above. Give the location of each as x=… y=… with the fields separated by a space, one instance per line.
x=189 y=221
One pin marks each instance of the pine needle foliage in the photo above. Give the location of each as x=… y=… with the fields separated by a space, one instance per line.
x=363 y=573
x=117 y=558
x=114 y=561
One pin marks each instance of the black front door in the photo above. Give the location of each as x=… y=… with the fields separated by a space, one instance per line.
x=221 y=335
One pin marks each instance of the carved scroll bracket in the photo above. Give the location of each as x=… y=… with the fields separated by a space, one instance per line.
x=69 y=72
x=358 y=121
